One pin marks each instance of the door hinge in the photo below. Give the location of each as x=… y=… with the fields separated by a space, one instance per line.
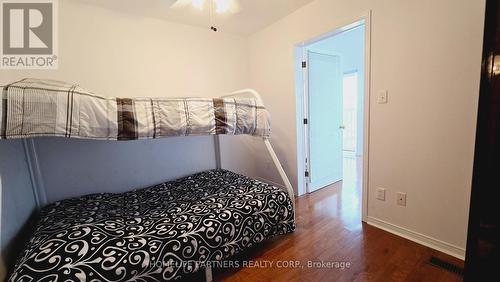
x=305 y=121
x=306 y=173
x=304 y=64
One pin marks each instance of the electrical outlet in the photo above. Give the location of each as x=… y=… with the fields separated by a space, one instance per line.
x=401 y=199
x=381 y=194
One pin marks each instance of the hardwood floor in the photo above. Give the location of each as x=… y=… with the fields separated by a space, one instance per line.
x=329 y=229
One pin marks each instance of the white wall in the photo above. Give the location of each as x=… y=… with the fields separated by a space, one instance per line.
x=118 y=54
x=427 y=55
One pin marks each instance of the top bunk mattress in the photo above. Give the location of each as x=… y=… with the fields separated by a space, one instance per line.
x=36 y=107
x=154 y=234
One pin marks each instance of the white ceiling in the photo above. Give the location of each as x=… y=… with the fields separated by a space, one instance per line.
x=253 y=15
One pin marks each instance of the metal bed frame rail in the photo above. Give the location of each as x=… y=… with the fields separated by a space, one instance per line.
x=254 y=94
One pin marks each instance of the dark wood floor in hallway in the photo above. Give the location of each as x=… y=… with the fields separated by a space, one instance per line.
x=329 y=229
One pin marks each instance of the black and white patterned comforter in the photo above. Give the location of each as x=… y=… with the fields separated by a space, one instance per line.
x=154 y=234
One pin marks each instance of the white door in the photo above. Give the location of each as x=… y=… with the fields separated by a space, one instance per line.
x=325 y=119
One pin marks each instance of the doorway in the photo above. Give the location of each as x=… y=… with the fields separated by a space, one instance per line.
x=332 y=72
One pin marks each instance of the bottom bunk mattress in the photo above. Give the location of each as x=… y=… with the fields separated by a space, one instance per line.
x=154 y=234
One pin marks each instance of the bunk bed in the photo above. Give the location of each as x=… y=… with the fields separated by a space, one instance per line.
x=159 y=233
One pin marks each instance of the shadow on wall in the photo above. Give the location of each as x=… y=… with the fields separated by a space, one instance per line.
x=76 y=167
x=17 y=202
x=11 y=249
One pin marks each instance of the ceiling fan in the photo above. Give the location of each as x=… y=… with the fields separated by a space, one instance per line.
x=214 y=6
x=218 y=6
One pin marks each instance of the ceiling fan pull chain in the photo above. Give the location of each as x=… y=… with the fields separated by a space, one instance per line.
x=211 y=13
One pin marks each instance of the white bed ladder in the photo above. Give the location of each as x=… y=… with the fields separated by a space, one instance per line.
x=254 y=94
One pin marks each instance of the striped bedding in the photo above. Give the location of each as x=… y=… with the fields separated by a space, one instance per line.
x=164 y=232
x=35 y=107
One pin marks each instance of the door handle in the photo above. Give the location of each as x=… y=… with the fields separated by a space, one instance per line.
x=342 y=127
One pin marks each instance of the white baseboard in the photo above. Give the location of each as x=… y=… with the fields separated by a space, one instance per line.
x=269 y=182
x=419 y=238
x=422 y=239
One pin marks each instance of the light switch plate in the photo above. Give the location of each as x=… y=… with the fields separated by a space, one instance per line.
x=382 y=97
x=381 y=194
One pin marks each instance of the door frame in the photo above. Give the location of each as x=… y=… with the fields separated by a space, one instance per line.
x=301 y=81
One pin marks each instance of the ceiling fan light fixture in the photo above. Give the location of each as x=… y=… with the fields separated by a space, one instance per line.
x=222 y=6
x=198 y=4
